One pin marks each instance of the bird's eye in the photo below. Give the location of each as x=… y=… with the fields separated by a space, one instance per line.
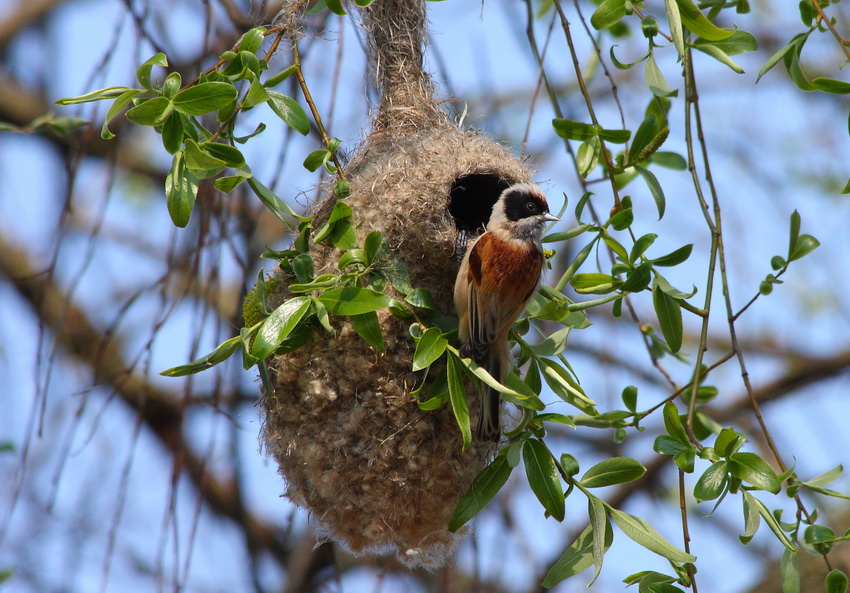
x=530 y=206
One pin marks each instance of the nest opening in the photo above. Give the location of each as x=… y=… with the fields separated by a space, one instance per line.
x=472 y=198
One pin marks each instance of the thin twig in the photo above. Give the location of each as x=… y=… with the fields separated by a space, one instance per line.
x=686 y=536
x=691 y=99
x=822 y=18
x=565 y=25
x=299 y=74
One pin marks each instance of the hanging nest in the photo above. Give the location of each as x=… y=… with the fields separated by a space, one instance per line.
x=375 y=471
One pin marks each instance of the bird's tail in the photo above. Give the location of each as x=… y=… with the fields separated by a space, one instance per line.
x=489 y=423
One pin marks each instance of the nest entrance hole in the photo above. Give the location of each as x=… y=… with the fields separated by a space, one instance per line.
x=472 y=198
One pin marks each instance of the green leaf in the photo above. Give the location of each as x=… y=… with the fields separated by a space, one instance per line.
x=638 y=279
x=655 y=80
x=252 y=39
x=567 y=235
x=826 y=478
x=712 y=482
x=676 y=257
x=221 y=353
x=673 y=424
x=669 y=315
x=340 y=212
x=629 y=396
x=643 y=243
x=553 y=417
x=526 y=400
x=117 y=106
x=667 y=445
x=615 y=136
x=143 y=74
x=204 y=98
x=739 y=42
x=278 y=78
x=172 y=133
x=792 y=65
x=278 y=325
x=352 y=300
x=256 y=95
x=231 y=155
x=578 y=557
x=654 y=188
x=573 y=130
x=601 y=528
x=593 y=283
x=836 y=582
x=587 y=156
x=619 y=222
x=171 y=85
x=430 y=347
x=805 y=245
x=616 y=470
x=769 y=519
x=181 y=188
x=303 y=267
x=794 y=232
x=352 y=256
x=421 y=297
x=727 y=442
x=698 y=24
x=674 y=19
x=565 y=387
x=277 y=206
x=831 y=85
x=150 y=112
x=290 y=112
x=527 y=397
x=775 y=59
x=335 y=6
x=198 y=159
x=818 y=534
x=710 y=49
x=317 y=159
x=624 y=65
x=644 y=534
x=113 y=92
x=789 y=574
x=543 y=477
x=752 y=518
x=648 y=130
x=372 y=246
x=368 y=327
x=754 y=470
x=484 y=487
x=660 y=282
x=610 y=12
x=684 y=460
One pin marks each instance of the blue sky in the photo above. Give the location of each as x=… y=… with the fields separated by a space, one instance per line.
x=771 y=147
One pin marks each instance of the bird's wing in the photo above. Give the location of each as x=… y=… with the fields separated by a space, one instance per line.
x=498 y=291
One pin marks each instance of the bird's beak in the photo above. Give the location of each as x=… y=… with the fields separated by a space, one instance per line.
x=549 y=218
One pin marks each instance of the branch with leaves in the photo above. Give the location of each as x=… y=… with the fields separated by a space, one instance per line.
x=197 y=123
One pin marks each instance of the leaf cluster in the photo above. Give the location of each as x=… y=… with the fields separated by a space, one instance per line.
x=197 y=121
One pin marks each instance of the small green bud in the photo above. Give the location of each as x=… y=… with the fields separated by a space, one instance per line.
x=649 y=26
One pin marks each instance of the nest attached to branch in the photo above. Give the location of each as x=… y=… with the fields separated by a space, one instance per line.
x=376 y=472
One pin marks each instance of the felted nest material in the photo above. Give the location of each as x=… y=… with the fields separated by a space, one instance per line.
x=376 y=472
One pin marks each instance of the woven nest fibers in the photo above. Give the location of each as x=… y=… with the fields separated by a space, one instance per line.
x=376 y=472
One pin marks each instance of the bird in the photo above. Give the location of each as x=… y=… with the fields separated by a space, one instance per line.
x=498 y=275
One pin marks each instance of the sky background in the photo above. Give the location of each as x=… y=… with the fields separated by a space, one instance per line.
x=93 y=506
